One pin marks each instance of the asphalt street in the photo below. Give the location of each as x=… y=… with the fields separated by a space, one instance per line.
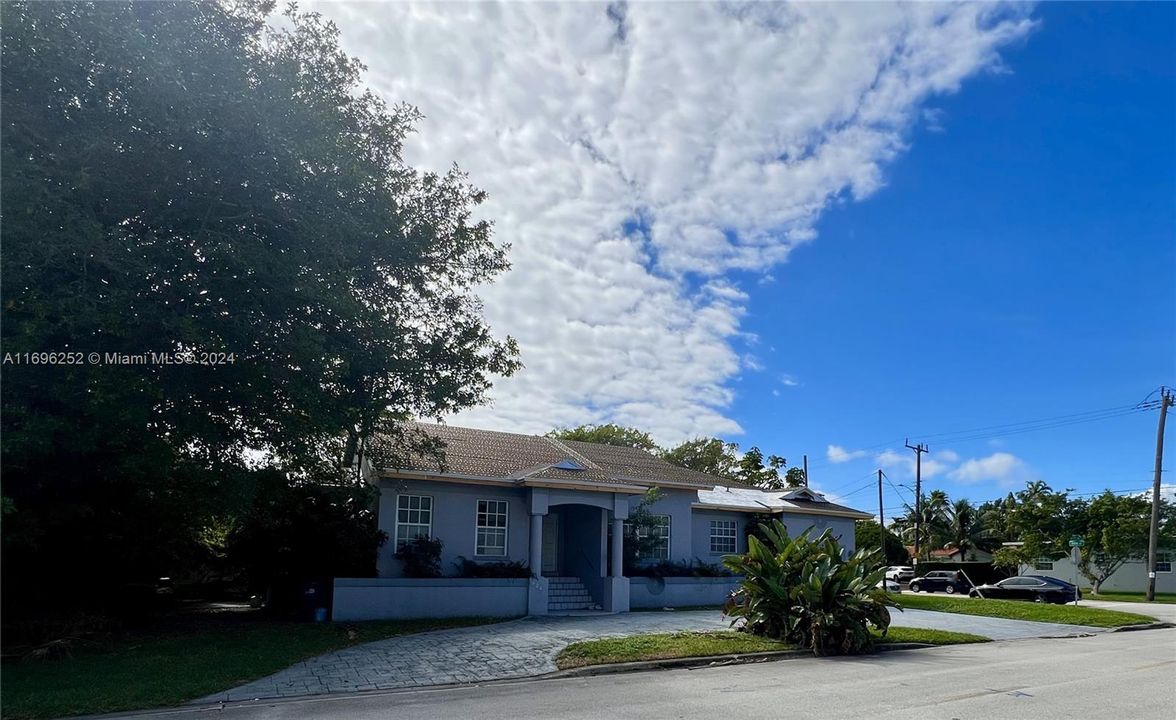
x=1126 y=674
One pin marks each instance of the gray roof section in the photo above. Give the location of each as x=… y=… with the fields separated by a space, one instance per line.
x=514 y=456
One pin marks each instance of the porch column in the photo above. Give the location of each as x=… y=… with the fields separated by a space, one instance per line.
x=537 y=587
x=537 y=545
x=618 y=547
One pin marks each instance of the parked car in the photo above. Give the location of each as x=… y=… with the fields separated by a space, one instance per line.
x=900 y=572
x=1037 y=588
x=890 y=586
x=948 y=581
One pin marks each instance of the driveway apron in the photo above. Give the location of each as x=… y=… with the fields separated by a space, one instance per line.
x=527 y=647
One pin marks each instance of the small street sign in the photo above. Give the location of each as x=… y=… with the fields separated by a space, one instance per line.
x=1076 y=541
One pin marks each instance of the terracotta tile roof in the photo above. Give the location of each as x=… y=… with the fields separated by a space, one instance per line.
x=514 y=456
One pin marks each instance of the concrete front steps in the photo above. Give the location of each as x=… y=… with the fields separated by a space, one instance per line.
x=568 y=593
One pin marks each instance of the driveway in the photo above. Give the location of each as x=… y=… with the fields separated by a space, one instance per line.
x=519 y=648
x=527 y=647
x=1164 y=612
x=995 y=628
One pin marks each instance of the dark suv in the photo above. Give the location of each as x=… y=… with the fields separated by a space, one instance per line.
x=948 y=581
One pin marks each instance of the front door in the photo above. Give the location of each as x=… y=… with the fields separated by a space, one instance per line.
x=551 y=536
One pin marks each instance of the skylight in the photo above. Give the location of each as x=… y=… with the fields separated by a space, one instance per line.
x=568 y=464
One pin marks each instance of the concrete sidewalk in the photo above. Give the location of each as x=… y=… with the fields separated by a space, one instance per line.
x=528 y=647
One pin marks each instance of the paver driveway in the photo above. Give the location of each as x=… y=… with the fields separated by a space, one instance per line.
x=527 y=647
x=519 y=648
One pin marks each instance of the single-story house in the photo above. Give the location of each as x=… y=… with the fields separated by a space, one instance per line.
x=954 y=555
x=560 y=507
x=1130 y=577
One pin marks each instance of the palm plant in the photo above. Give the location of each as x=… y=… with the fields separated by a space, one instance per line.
x=932 y=525
x=965 y=528
x=803 y=591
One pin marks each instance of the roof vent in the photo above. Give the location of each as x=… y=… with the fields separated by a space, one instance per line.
x=568 y=464
x=804 y=494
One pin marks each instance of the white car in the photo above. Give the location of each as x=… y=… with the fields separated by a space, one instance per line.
x=899 y=573
x=890 y=586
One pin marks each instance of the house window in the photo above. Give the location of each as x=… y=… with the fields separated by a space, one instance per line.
x=1043 y=564
x=414 y=518
x=1164 y=562
x=492 y=519
x=722 y=536
x=660 y=529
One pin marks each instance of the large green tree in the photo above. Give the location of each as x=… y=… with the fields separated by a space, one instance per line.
x=1114 y=529
x=607 y=434
x=181 y=178
x=868 y=535
x=708 y=455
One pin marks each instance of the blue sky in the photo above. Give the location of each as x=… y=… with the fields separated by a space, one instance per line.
x=859 y=222
x=1019 y=264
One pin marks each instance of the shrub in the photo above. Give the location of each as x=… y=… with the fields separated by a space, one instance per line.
x=506 y=569
x=421 y=557
x=800 y=590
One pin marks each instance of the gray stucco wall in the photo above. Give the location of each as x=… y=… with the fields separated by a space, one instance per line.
x=679 y=592
x=690 y=528
x=455 y=509
x=843 y=528
x=388 y=598
x=675 y=504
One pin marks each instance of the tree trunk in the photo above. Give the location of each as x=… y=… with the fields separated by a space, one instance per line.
x=1097 y=583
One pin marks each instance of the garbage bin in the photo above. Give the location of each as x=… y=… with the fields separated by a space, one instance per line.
x=314 y=600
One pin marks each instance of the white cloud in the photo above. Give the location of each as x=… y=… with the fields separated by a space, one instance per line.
x=1005 y=469
x=903 y=461
x=837 y=454
x=636 y=156
x=789 y=380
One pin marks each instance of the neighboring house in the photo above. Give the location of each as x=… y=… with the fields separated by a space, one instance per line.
x=1131 y=577
x=954 y=555
x=560 y=506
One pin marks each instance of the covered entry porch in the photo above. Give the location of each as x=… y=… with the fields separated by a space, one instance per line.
x=574 y=564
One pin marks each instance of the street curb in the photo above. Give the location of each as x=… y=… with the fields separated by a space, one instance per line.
x=707 y=661
x=1147 y=626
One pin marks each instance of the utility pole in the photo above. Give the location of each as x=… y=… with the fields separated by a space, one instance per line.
x=1153 y=534
x=919 y=450
x=881 y=519
x=806 y=470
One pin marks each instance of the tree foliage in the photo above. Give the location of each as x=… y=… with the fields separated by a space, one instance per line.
x=292 y=533
x=608 y=434
x=707 y=455
x=181 y=178
x=867 y=535
x=1115 y=529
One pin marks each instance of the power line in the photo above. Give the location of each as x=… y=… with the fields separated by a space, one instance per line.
x=1017 y=428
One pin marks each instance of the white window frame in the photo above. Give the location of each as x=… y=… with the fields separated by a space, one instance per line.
x=663 y=553
x=479 y=527
x=1165 y=559
x=1043 y=564
x=402 y=541
x=724 y=537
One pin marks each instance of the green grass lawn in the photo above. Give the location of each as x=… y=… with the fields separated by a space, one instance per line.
x=1023 y=610
x=1136 y=597
x=930 y=637
x=180 y=662
x=665 y=646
